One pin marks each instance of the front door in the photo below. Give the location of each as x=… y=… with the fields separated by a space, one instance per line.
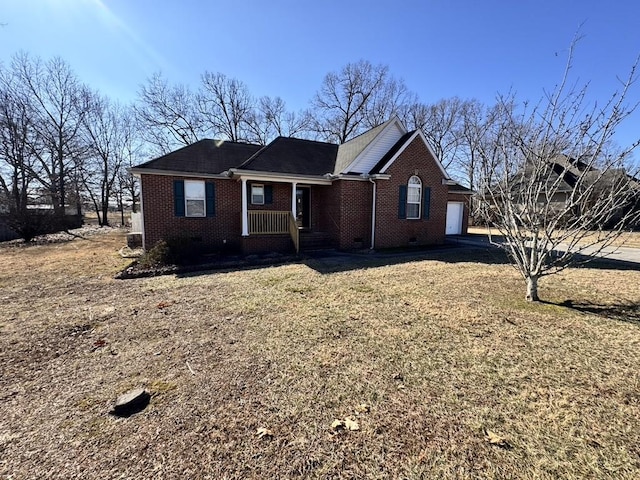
x=303 y=207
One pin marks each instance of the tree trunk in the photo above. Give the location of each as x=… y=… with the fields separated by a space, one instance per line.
x=532 y=289
x=105 y=214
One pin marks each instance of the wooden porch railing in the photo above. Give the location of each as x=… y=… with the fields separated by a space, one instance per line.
x=265 y=222
x=271 y=222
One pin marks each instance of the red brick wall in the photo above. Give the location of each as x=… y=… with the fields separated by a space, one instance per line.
x=355 y=213
x=160 y=220
x=325 y=210
x=267 y=243
x=394 y=232
x=281 y=197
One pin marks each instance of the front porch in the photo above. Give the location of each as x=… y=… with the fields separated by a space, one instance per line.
x=267 y=226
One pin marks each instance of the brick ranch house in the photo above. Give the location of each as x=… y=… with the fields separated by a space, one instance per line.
x=382 y=189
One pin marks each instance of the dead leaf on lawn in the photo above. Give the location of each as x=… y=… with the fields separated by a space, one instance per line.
x=363 y=408
x=351 y=424
x=163 y=305
x=495 y=439
x=263 y=432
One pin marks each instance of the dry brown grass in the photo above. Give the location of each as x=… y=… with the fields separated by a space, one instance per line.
x=441 y=350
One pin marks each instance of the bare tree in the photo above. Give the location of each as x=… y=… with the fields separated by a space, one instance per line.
x=554 y=184
x=391 y=98
x=127 y=188
x=271 y=119
x=476 y=123
x=358 y=97
x=55 y=104
x=226 y=106
x=108 y=129
x=442 y=124
x=17 y=162
x=167 y=116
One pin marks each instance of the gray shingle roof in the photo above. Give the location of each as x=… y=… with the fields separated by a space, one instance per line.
x=457 y=188
x=348 y=151
x=205 y=156
x=294 y=156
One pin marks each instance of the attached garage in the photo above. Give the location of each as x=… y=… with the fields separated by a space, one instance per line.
x=458 y=199
x=455 y=216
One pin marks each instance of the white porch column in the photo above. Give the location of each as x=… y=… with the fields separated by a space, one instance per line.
x=294 y=205
x=245 y=211
x=373 y=216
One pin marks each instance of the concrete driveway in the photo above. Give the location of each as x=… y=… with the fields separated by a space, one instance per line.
x=622 y=254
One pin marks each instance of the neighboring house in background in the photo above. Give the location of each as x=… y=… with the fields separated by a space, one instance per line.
x=560 y=182
x=382 y=189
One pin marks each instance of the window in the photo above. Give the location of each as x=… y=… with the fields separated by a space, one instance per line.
x=194 y=193
x=257 y=194
x=414 y=197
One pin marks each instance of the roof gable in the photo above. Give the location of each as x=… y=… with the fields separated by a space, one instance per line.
x=362 y=153
x=387 y=160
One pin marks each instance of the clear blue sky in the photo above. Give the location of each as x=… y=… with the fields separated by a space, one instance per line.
x=441 y=48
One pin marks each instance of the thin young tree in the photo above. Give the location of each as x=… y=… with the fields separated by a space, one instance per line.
x=127 y=188
x=554 y=183
x=107 y=127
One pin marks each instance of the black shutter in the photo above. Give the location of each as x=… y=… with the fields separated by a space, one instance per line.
x=402 y=202
x=210 y=189
x=268 y=194
x=178 y=197
x=426 y=203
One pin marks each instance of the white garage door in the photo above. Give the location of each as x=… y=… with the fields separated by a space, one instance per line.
x=455 y=210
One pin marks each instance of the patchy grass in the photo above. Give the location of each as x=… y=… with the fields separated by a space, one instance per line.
x=444 y=352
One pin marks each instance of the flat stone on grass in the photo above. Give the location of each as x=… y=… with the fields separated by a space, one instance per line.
x=134 y=401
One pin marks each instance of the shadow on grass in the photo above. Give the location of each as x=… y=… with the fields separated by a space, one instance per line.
x=331 y=261
x=342 y=262
x=455 y=253
x=474 y=248
x=629 y=312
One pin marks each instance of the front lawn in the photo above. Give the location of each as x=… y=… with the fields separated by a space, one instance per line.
x=444 y=368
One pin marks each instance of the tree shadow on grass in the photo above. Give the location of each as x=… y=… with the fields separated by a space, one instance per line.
x=327 y=263
x=625 y=312
x=331 y=261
